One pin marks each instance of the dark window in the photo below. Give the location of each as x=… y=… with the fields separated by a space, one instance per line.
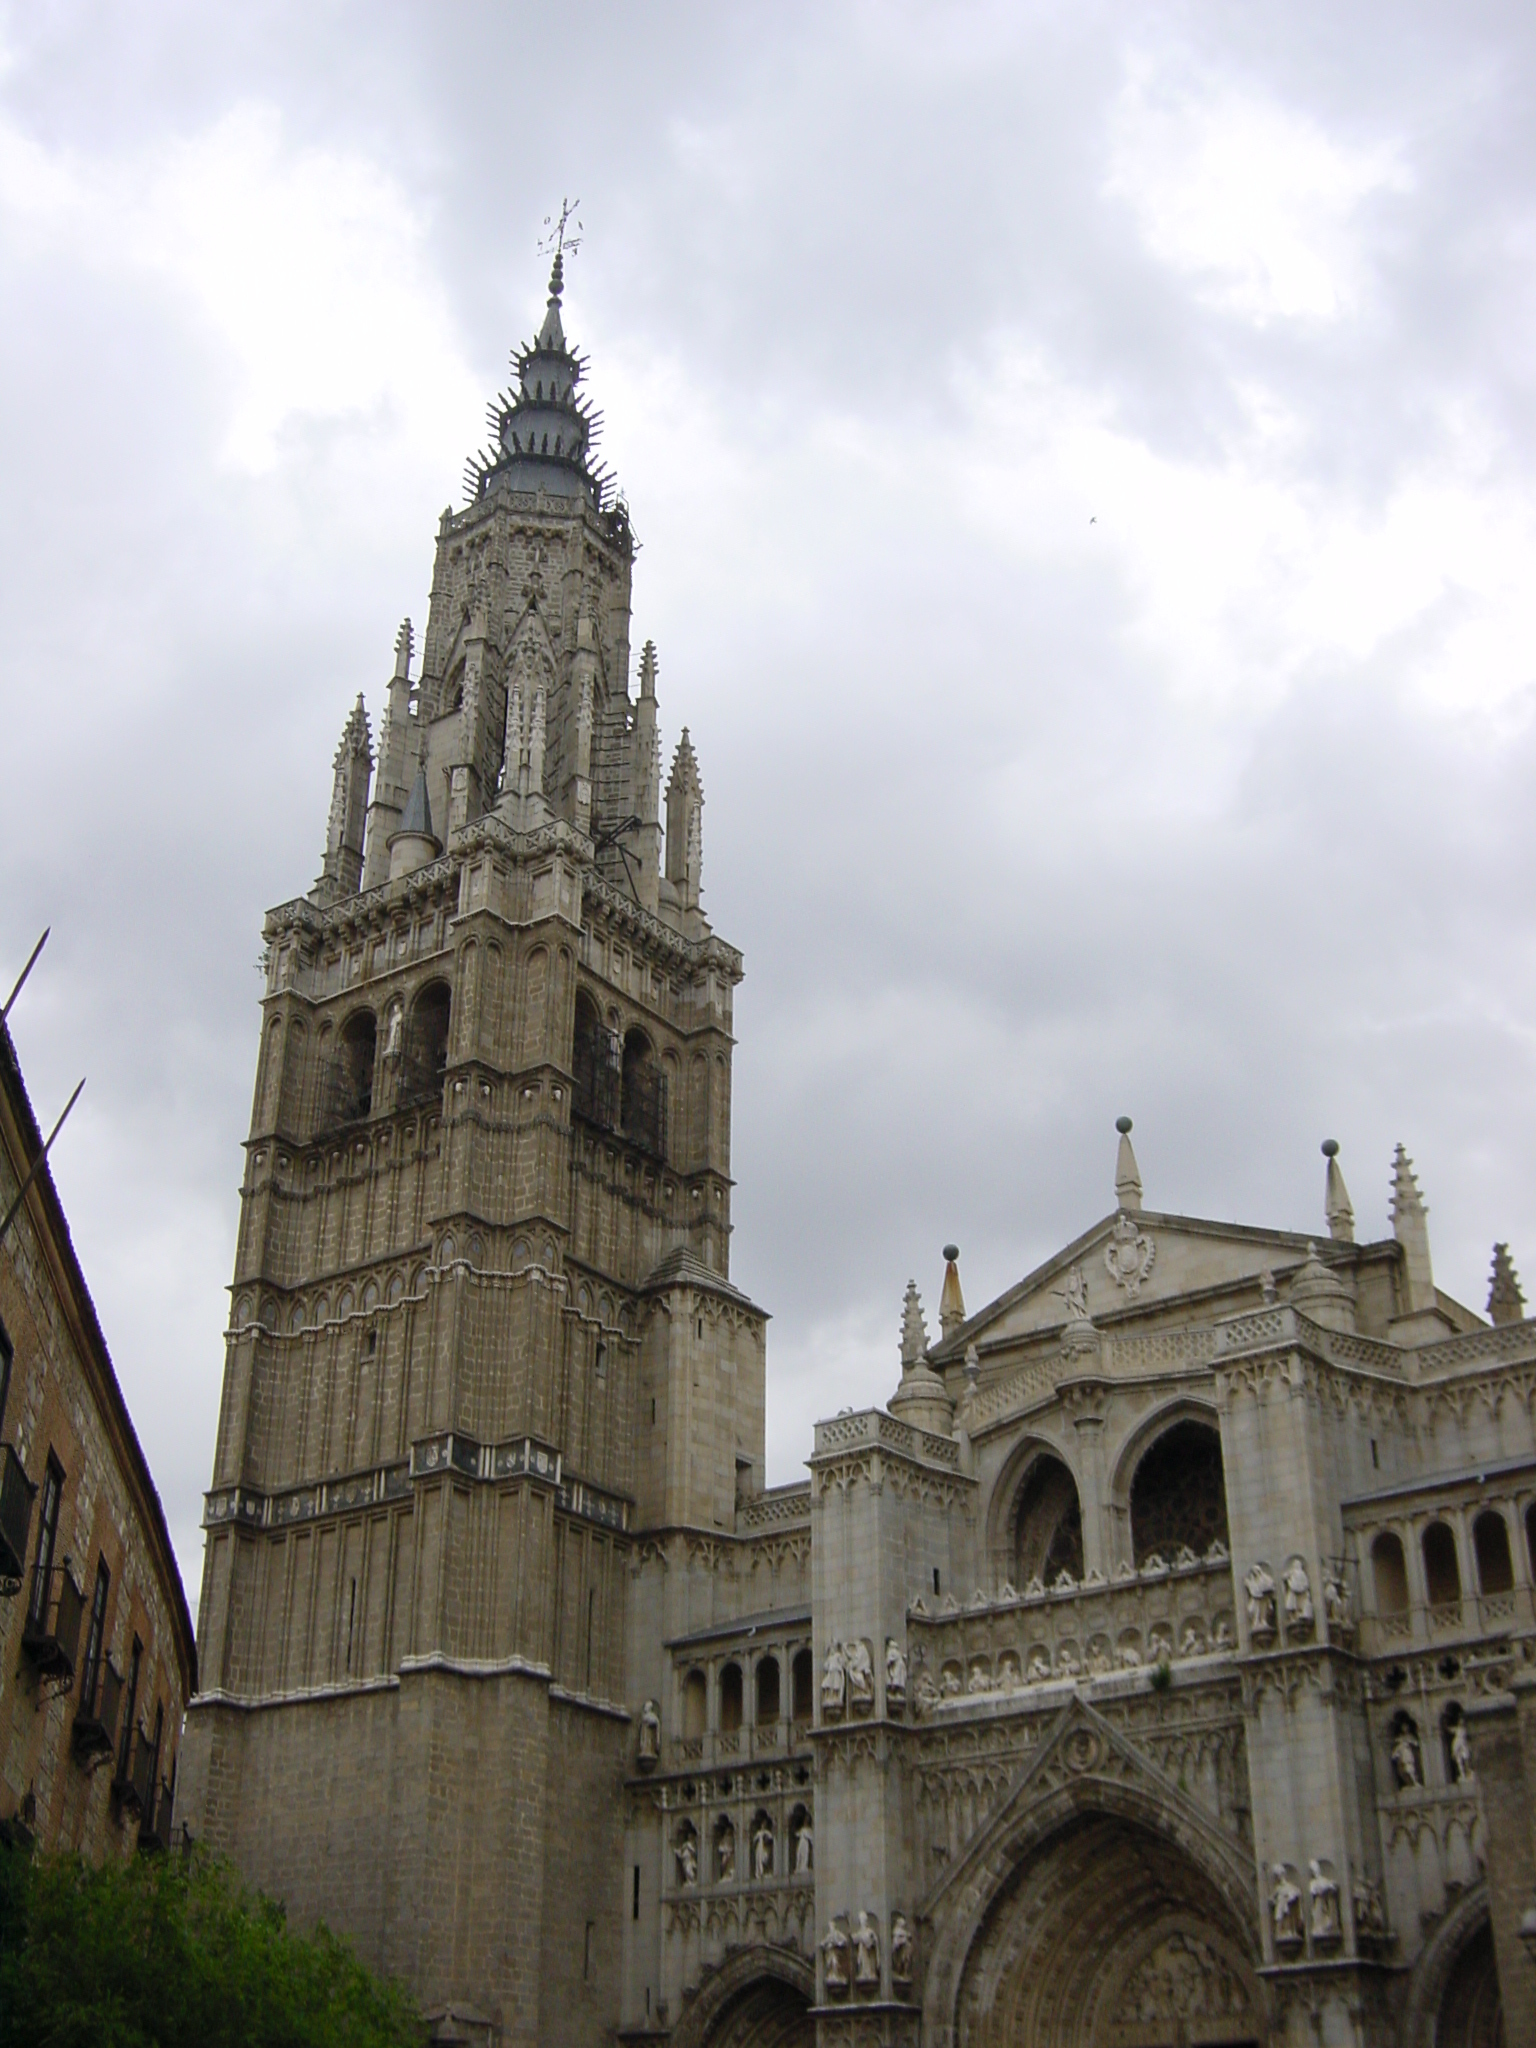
x=154 y=1754
x=93 y=1639
x=643 y=1096
x=130 y=1708
x=1179 y=1495
x=634 y=1905
x=1442 y=1574
x=1495 y=1566
x=595 y=1064
x=730 y=1699
x=767 y=1690
x=7 y=1353
x=47 y=1537
x=695 y=1701
x=352 y=1070
x=802 y=1675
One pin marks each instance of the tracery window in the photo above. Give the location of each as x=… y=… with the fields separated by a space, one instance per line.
x=1179 y=1494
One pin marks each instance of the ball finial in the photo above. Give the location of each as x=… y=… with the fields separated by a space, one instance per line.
x=1330 y=1148
x=1123 y=1126
x=951 y=1253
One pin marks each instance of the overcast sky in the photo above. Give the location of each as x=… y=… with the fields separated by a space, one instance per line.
x=1085 y=461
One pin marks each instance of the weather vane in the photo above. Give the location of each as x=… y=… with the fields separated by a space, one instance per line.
x=555 y=241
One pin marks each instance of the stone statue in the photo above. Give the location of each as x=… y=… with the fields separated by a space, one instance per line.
x=805 y=1849
x=1259 y=1586
x=1039 y=1666
x=762 y=1848
x=901 y=1951
x=1066 y=1657
x=648 y=1747
x=725 y=1853
x=392 y=1032
x=1324 y=1894
x=687 y=1860
x=1075 y=1295
x=1336 y=1606
x=861 y=1678
x=835 y=1949
x=895 y=1670
x=1407 y=1761
x=1370 y=1915
x=834 y=1684
x=866 y=1955
x=927 y=1693
x=1285 y=1907
x=1461 y=1752
x=1190 y=1644
x=1299 y=1612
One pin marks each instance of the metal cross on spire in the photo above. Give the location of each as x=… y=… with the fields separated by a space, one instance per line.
x=556 y=239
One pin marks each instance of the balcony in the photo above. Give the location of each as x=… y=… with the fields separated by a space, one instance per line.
x=94 y=1734
x=16 y=1491
x=50 y=1640
x=155 y=1826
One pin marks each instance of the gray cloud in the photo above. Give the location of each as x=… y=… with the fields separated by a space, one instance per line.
x=1215 y=811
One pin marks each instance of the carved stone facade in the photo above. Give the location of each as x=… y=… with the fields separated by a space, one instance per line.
x=1134 y=1678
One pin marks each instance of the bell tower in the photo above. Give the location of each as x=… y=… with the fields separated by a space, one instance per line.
x=483 y=1333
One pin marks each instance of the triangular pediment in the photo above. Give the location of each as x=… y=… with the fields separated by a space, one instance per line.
x=1131 y=1263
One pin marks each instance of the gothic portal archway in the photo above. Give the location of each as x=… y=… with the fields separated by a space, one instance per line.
x=1110 y=1936
x=1471 y=2013
x=761 y=1998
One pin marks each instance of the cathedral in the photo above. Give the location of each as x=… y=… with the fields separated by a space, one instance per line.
x=1154 y=1669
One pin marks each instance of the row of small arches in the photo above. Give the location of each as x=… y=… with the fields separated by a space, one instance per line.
x=730 y=1694
x=1442 y=1565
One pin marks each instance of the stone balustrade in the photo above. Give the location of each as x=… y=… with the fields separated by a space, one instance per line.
x=1164 y=1614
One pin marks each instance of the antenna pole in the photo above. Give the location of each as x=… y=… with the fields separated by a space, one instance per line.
x=37 y=1164
x=31 y=961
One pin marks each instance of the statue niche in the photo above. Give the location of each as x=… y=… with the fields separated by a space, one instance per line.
x=1048 y=1525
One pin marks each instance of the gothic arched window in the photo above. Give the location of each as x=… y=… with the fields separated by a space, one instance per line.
x=730 y=1699
x=1048 y=1525
x=1442 y=1573
x=1179 y=1494
x=1389 y=1571
x=359 y=1042
x=767 y=1690
x=1490 y=1540
x=643 y=1096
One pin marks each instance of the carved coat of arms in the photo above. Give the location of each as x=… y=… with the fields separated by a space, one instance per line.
x=1129 y=1254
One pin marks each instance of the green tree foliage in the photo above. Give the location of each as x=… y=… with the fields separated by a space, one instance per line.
x=174 y=1952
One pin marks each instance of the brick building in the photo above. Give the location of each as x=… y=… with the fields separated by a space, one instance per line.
x=1134 y=1679
x=97 y=1659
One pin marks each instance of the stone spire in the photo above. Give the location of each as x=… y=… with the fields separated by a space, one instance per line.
x=1506 y=1303
x=342 y=872
x=951 y=1300
x=1410 y=1226
x=1127 y=1172
x=922 y=1398
x=544 y=429
x=1337 y=1207
x=914 y=1330
x=685 y=827
x=398 y=746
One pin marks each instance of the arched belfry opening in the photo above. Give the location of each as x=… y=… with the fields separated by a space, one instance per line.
x=1110 y=1935
x=643 y=1096
x=426 y=1046
x=594 y=1067
x=1179 y=1494
x=1047 y=1524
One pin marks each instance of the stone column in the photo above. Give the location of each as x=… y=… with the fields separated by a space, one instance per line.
x=1503 y=1735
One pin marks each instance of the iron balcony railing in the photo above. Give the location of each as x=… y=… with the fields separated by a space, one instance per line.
x=51 y=1637
x=94 y=1735
x=16 y=1491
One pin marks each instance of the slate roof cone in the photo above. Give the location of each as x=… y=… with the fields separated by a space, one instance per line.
x=1337 y=1207
x=1127 y=1172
